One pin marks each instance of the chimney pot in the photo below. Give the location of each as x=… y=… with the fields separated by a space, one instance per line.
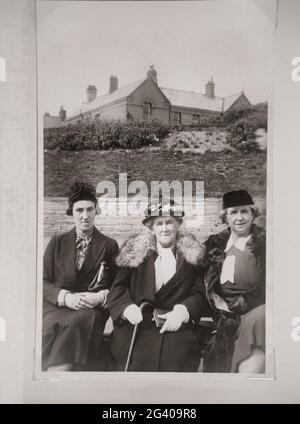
x=210 y=89
x=113 y=84
x=152 y=73
x=91 y=93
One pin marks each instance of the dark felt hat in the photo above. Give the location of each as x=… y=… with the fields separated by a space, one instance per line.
x=237 y=198
x=80 y=191
x=161 y=207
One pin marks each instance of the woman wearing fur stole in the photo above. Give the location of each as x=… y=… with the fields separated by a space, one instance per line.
x=235 y=285
x=163 y=266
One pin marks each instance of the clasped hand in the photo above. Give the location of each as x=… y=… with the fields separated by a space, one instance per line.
x=86 y=300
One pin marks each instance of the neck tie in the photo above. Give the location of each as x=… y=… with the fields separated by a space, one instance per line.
x=82 y=245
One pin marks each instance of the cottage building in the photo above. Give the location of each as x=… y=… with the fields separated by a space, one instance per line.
x=147 y=99
x=51 y=121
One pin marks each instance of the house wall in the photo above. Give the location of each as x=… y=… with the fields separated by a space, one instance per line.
x=241 y=102
x=187 y=114
x=52 y=122
x=148 y=92
x=117 y=111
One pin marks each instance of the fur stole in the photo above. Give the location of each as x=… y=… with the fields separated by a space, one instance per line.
x=138 y=246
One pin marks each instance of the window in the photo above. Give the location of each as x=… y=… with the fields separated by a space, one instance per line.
x=147 y=110
x=196 y=119
x=177 y=118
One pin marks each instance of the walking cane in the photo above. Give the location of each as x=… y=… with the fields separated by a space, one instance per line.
x=142 y=307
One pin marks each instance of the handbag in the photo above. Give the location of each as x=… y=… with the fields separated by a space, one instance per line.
x=95 y=284
x=159 y=321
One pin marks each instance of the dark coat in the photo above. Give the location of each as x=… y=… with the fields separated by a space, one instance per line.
x=135 y=283
x=69 y=335
x=215 y=256
x=228 y=319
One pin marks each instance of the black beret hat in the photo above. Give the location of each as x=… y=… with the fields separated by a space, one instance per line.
x=163 y=208
x=237 y=198
x=80 y=191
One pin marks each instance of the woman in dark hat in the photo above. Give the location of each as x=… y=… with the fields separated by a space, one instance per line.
x=235 y=285
x=78 y=272
x=162 y=266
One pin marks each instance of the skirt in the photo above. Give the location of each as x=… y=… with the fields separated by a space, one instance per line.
x=72 y=337
x=178 y=351
x=251 y=334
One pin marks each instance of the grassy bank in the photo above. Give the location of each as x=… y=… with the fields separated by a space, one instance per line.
x=220 y=171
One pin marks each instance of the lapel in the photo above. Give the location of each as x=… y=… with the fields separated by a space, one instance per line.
x=146 y=272
x=215 y=256
x=68 y=249
x=94 y=252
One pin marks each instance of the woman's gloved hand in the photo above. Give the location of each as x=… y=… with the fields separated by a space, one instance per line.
x=175 y=318
x=76 y=301
x=133 y=314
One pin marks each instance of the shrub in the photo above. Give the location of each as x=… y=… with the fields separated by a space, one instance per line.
x=105 y=135
x=241 y=125
x=255 y=116
x=249 y=146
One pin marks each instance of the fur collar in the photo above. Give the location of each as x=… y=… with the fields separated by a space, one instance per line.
x=138 y=246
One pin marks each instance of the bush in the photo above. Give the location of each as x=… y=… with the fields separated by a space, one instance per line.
x=241 y=125
x=255 y=116
x=249 y=147
x=105 y=135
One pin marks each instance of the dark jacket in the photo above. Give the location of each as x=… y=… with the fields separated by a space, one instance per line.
x=135 y=283
x=60 y=265
x=215 y=256
x=227 y=319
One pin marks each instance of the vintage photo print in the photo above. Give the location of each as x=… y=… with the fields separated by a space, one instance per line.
x=155 y=135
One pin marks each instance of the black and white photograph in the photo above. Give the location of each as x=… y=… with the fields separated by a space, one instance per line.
x=155 y=132
x=149 y=203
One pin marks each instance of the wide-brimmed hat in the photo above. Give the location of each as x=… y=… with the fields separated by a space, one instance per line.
x=80 y=191
x=237 y=198
x=166 y=207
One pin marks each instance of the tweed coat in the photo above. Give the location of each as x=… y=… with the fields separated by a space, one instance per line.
x=135 y=284
x=71 y=336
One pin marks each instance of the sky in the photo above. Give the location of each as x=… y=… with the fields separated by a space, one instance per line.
x=188 y=42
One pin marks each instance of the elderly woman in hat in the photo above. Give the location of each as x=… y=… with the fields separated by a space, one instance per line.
x=235 y=285
x=78 y=272
x=161 y=266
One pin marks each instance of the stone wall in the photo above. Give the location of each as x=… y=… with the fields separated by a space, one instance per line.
x=119 y=227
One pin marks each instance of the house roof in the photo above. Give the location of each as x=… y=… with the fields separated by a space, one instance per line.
x=119 y=94
x=52 y=121
x=229 y=100
x=179 y=98
x=192 y=100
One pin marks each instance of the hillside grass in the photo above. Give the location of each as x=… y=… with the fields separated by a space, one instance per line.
x=220 y=170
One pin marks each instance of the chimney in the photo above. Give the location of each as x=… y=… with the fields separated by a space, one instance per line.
x=62 y=113
x=91 y=93
x=113 y=84
x=210 y=89
x=152 y=74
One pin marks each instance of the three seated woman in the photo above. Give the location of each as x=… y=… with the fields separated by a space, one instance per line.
x=167 y=269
